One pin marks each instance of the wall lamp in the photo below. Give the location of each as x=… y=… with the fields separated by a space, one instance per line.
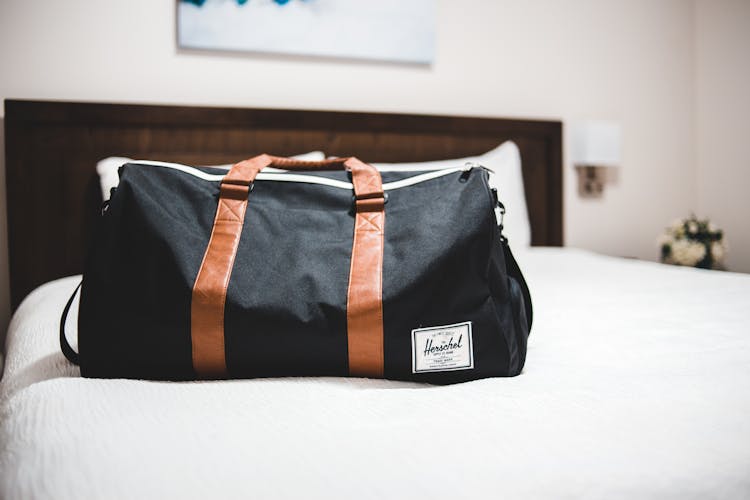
x=597 y=147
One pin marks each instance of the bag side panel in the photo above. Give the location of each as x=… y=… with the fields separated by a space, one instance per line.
x=436 y=272
x=520 y=323
x=134 y=317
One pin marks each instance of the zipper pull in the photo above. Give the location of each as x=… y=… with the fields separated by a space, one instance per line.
x=470 y=164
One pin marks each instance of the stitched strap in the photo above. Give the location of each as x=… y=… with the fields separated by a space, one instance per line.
x=210 y=288
x=364 y=303
x=364 y=297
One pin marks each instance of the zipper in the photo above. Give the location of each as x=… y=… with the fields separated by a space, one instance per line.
x=313 y=179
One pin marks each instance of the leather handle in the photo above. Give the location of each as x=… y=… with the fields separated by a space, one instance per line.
x=364 y=294
x=265 y=160
x=366 y=178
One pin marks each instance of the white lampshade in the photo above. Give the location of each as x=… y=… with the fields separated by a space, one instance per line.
x=597 y=143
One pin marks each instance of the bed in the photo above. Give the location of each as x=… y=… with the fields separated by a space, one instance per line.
x=637 y=381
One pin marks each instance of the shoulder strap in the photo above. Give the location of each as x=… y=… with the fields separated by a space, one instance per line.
x=64 y=345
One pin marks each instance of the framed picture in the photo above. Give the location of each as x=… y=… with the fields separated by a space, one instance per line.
x=383 y=30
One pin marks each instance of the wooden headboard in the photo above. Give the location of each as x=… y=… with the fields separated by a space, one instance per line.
x=52 y=149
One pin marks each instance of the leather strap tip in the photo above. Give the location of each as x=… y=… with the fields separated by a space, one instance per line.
x=209 y=376
x=368 y=374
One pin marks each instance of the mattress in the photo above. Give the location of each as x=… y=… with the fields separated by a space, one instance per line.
x=637 y=385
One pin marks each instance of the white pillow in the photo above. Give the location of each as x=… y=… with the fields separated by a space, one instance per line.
x=109 y=178
x=505 y=163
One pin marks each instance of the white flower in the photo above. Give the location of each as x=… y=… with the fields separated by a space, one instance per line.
x=687 y=253
x=677 y=228
x=692 y=227
x=717 y=251
x=664 y=239
x=712 y=227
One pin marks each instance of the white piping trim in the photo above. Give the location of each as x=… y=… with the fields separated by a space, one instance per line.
x=421 y=178
x=307 y=179
x=182 y=168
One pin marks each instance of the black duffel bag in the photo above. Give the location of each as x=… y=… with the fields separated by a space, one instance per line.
x=340 y=270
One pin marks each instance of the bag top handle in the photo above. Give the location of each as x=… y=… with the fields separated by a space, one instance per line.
x=368 y=185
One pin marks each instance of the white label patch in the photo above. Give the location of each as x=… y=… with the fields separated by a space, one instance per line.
x=442 y=348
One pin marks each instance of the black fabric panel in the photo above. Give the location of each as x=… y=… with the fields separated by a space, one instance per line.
x=286 y=302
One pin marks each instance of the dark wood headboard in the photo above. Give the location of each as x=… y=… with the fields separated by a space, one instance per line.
x=52 y=149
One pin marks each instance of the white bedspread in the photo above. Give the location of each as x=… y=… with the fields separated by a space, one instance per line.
x=637 y=385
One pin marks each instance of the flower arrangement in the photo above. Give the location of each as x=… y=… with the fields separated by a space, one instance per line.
x=693 y=242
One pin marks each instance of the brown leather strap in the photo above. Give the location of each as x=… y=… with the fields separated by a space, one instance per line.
x=210 y=288
x=364 y=303
x=364 y=297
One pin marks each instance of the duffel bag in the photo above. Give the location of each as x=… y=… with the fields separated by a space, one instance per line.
x=326 y=268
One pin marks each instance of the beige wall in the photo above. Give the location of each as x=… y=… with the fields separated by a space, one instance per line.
x=625 y=60
x=722 y=83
